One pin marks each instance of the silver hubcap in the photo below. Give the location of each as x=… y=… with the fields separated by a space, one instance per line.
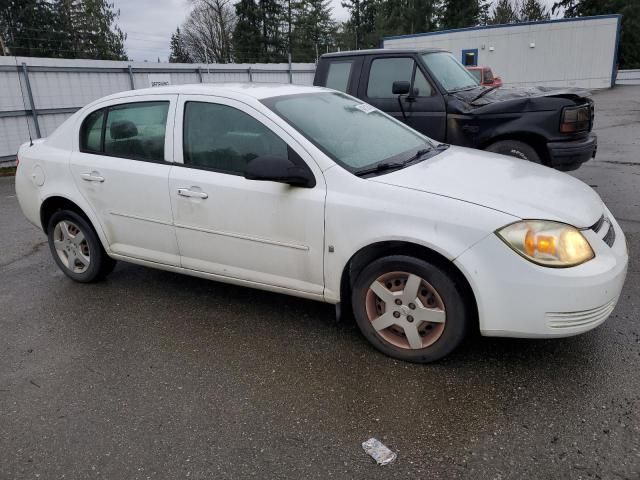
x=71 y=246
x=405 y=310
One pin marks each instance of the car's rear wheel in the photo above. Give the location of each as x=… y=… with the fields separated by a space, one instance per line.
x=515 y=148
x=76 y=248
x=409 y=309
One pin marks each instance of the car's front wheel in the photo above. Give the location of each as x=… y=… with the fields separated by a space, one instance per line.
x=76 y=248
x=409 y=309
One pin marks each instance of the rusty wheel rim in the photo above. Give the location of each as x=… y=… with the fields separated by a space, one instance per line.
x=405 y=310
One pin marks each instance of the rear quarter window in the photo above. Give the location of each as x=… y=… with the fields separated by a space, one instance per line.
x=338 y=75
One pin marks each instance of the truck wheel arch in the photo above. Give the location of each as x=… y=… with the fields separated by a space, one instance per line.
x=536 y=142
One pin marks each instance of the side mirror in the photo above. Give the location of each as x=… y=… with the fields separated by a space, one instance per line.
x=400 y=87
x=279 y=169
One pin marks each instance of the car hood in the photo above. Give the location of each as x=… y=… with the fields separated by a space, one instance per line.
x=510 y=185
x=516 y=99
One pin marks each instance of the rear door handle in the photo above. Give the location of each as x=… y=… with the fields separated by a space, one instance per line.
x=92 y=177
x=185 y=192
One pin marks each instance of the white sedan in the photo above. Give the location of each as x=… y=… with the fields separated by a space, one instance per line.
x=310 y=192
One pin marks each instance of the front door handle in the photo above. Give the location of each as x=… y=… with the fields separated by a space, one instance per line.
x=92 y=177
x=185 y=192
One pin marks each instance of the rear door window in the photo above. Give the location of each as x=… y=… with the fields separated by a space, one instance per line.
x=339 y=74
x=136 y=130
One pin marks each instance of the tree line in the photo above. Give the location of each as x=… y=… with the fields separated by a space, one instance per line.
x=61 y=29
x=256 y=31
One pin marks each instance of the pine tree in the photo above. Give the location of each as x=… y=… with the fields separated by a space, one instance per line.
x=505 y=12
x=30 y=28
x=247 y=34
x=399 y=17
x=273 y=40
x=629 y=53
x=178 y=52
x=313 y=31
x=533 y=10
x=361 y=26
x=462 y=13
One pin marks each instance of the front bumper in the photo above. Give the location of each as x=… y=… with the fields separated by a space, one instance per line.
x=569 y=155
x=517 y=298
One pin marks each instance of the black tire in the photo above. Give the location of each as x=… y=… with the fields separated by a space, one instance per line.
x=99 y=265
x=456 y=310
x=514 y=148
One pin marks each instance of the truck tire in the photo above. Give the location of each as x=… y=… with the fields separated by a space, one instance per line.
x=514 y=148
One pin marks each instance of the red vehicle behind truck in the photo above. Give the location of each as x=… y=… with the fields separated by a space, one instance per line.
x=485 y=76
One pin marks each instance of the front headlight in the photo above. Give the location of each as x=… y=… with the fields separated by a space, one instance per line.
x=552 y=244
x=575 y=119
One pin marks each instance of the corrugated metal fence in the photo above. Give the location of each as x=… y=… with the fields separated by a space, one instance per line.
x=44 y=92
x=628 y=77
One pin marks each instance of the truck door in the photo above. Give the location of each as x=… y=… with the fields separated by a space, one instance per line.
x=425 y=110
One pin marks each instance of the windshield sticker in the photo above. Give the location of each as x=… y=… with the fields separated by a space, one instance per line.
x=366 y=108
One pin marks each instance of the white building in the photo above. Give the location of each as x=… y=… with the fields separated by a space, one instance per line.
x=568 y=52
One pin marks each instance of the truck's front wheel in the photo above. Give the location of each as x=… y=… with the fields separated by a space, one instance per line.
x=514 y=148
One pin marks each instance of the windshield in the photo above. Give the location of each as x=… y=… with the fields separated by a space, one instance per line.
x=354 y=134
x=449 y=72
x=476 y=73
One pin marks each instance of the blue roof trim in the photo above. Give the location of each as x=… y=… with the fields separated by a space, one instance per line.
x=506 y=25
x=614 y=73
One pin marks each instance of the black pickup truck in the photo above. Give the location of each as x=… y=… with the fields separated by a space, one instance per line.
x=433 y=93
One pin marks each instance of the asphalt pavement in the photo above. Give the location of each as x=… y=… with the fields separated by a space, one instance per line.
x=152 y=374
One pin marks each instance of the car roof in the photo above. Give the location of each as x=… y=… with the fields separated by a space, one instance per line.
x=378 y=51
x=257 y=91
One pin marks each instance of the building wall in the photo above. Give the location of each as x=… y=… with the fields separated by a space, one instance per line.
x=59 y=87
x=567 y=52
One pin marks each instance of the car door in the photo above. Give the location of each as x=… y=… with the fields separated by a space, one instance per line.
x=266 y=233
x=424 y=109
x=121 y=166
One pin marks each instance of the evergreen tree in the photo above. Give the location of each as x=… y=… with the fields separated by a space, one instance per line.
x=178 y=53
x=462 y=13
x=533 y=10
x=360 y=29
x=314 y=29
x=400 y=17
x=629 y=53
x=505 y=11
x=89 y=29
x=273 y=40
x=29 y=28
x=247 y=34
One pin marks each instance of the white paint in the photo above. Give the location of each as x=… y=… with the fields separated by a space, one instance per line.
x=578 y=53
x=272 y=236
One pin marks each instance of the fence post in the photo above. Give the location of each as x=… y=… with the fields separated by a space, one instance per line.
x=133 y=85
x=290 y=72
x=34 y=113
x=200 y=74
x=250 y=75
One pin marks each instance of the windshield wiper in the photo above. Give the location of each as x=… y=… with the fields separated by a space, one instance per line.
x=382 y=166
x=484 y=92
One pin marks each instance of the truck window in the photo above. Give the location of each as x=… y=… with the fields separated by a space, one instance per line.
x=338 y=75
x=385 y=71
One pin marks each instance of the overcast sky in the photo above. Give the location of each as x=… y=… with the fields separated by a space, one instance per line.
x=150 y=23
